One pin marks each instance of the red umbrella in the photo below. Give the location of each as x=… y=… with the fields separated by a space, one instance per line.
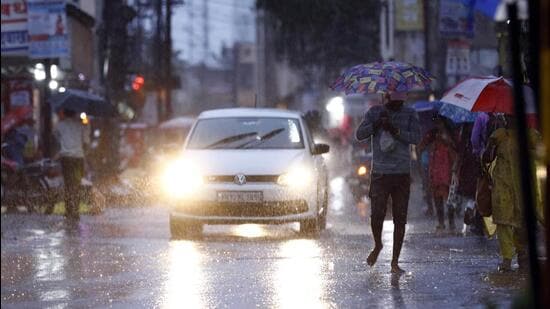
x=496 y=97
x=487 y=94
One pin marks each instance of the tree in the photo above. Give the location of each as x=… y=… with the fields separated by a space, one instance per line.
x=332 y=34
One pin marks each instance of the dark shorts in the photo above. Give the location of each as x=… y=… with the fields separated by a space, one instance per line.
x=381 y=188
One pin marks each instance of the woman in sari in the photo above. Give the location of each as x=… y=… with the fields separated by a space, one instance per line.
x=502 y=153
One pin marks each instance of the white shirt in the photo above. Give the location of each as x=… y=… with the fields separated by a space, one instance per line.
x=72 y=135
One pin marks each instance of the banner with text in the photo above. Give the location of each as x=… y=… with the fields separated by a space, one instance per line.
x=456 y=18
x=48 y=37
x=409 y=15
x=15 y=41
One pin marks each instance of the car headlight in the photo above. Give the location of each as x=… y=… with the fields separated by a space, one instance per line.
x=296 y=177
x=362 y=170
x=180 y=179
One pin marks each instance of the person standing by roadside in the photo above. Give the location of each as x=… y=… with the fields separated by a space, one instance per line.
x=480 y=133
x=506 y=193
x=72 y=137
x=468 y=174
x=442 y=156
x=424 y=171
x=393 y=128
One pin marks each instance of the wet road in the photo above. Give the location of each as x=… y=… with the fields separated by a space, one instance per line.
x=125 y=259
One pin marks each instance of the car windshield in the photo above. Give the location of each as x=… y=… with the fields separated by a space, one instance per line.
x=247 y=133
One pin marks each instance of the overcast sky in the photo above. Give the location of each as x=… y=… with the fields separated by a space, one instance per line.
x=228 y=21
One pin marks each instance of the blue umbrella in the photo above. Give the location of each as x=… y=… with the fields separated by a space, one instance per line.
x=426 y=111
x=426 y=106
x=82 y=101
x=457 y=114
x=454 y=113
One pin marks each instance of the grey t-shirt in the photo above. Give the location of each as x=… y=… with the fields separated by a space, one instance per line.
x=397 y=160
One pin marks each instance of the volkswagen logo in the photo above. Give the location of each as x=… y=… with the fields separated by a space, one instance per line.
x=240 y=179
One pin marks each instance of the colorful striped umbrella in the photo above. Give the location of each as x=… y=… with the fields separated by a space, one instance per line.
x=383 y=77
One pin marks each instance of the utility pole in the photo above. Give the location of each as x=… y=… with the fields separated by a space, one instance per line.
x=46 y=112
x=159 y=76
x=206 y=30
x=436 y=45
x=206 y=35
x=190 y=30
x=386 y=30
x=116 y=16
x=168 y=59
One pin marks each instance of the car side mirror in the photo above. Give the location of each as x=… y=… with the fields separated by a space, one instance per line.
x=320 y=149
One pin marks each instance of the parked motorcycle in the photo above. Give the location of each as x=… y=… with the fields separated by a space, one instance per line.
x=37 y=185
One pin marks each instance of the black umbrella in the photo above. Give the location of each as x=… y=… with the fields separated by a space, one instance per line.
x=82 y=101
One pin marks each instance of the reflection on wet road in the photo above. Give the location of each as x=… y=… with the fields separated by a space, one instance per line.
x=185 y=281
x=298 y=278
x=124 y=258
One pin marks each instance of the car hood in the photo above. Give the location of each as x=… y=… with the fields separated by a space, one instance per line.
x=248 y=162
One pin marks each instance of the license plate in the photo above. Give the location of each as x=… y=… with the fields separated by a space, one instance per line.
x=240 y=196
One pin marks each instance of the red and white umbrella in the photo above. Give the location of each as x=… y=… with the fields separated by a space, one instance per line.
x=487 y=94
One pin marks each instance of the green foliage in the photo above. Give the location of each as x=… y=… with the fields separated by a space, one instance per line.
x=332 y=34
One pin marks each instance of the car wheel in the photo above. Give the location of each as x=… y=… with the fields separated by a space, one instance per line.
x=310 y=226
x=185 y=230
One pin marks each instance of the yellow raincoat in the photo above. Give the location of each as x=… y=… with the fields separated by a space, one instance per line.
x=506 y=193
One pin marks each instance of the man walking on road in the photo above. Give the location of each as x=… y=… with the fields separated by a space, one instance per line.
x=72 y=138
x=393 y=128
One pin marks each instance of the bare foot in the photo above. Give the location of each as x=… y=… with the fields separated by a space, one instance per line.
x=373 y=256
x=395 y=269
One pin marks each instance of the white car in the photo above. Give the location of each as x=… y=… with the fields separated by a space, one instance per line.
x=245 y=165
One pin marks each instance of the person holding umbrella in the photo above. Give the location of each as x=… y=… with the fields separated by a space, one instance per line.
x=392 y=128
x=73 y=138
x=399 y=125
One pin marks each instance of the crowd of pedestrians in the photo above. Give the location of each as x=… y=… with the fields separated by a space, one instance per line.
x=451 y=160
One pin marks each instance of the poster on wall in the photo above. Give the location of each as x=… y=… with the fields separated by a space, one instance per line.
x=20 y=93
x=17 y=101
x=409 y=15
x=15 y=41
x=458 y=61
x=16 y=92
x=456 y=18
x=48 y=37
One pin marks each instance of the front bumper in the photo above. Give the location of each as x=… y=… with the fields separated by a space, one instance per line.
x=280 y=205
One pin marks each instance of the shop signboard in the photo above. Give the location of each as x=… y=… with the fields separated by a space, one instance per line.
x=48 y=36
x=409 y=15
x=20 y=92
x=458 y=61
x=456 y=18
x=16 y=92
x=14 y=28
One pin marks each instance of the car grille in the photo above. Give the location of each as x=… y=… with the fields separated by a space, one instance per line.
x=249 y=178
x=265 y=209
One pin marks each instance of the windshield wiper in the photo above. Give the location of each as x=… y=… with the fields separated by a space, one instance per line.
x=262 y=138
x=230 y=139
